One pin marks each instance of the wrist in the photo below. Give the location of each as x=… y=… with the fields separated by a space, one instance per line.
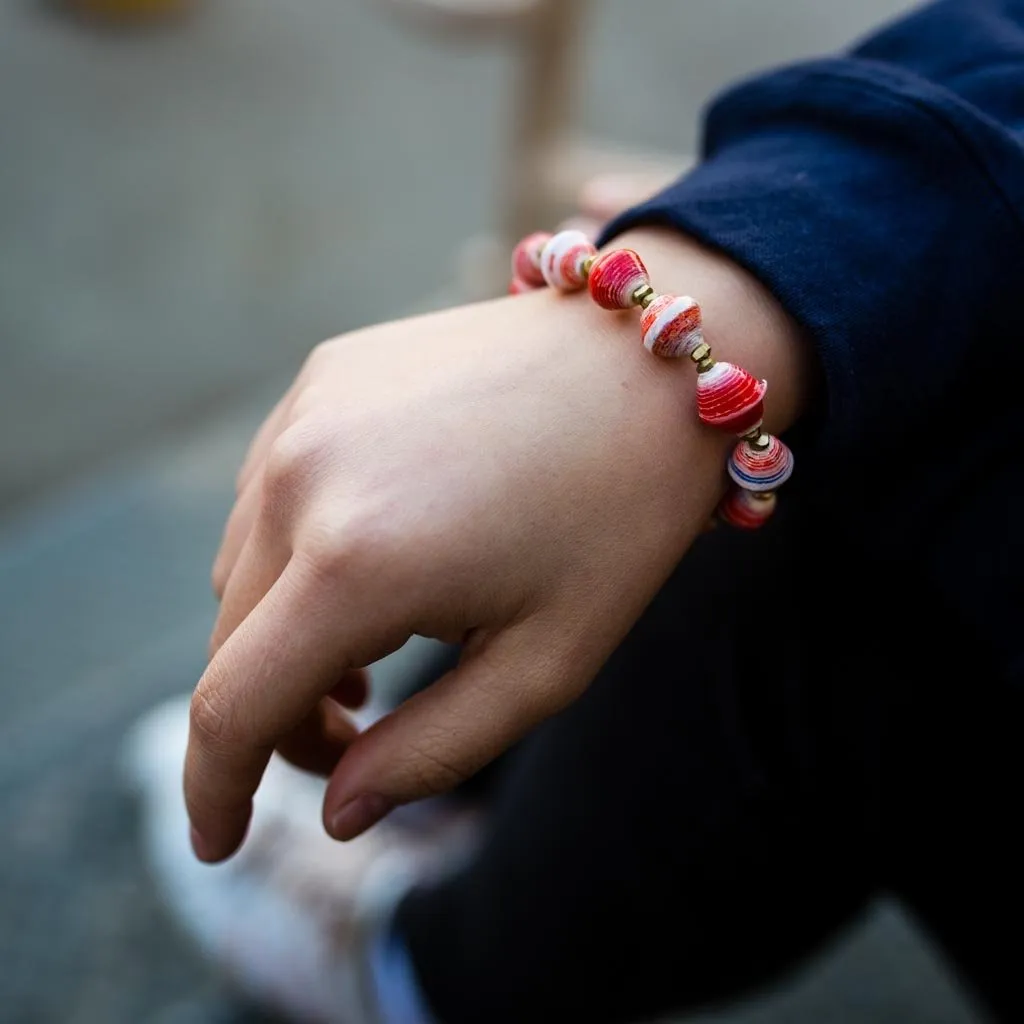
x=649 y=403
x=735 y=317
x=743 y=322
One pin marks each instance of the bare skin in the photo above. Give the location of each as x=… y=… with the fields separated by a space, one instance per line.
x=520 y=476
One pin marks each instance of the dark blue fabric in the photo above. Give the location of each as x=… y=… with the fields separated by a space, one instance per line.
x=831 y=706
x=880 y=196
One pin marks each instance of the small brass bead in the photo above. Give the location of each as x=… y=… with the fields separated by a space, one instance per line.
x=643 y=296
x=761 y=442
x=587 y=265
x=763 y=495
x=701 y=355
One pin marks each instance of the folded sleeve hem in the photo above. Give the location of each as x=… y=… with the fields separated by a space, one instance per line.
x=822 y=181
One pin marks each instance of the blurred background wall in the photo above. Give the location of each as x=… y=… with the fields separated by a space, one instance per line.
x=185 y=209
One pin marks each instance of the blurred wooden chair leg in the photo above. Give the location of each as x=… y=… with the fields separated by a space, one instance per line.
x=588 y=186
x=549 y=48
x=600 y=178
x=546 y=166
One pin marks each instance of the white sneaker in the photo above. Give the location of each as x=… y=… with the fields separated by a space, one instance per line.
x=289 y=917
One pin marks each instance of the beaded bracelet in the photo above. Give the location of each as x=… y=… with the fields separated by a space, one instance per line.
x=727 y=396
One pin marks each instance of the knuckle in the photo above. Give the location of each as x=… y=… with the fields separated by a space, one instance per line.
x=350 y=548
x=431 y=768
x=433 y=775
x=208 y=719
x=291 y=460
x=331 y=552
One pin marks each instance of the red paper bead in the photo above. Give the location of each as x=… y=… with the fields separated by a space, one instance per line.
x=672 y=326
x=746 y=510
x=614 y=278
x=761 y=469
x=730 y=398
x=526 y=259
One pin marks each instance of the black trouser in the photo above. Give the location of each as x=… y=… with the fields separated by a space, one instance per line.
x=786 y=733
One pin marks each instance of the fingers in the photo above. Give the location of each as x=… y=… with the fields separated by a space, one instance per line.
x=298 y=396
x=249 y=483
x=268 y=676
x=318 y=741
x=442 y=735
x=263 y=439
x=263 y=558
x=236 y=533
x=352 y=689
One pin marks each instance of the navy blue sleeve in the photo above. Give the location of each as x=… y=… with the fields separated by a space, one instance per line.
x=880 y=197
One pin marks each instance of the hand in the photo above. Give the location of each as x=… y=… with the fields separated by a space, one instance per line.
x=519 y=476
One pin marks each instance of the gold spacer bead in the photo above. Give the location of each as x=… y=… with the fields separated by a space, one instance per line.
x=759 y=443
x=701 y=355
x=643 y=296
x=763 y=495
x=587 y=265
x=752 y=434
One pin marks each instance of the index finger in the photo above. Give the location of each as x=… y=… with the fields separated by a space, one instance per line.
x=287 y=654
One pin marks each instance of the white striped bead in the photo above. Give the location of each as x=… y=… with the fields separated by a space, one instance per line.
x=763 y=466
x=562 y=259
x=672 y=326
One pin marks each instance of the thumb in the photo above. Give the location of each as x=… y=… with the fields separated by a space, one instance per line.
x=504 y=685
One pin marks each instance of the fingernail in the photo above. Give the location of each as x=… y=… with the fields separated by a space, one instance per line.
x=199 y=844
x=355 y=817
